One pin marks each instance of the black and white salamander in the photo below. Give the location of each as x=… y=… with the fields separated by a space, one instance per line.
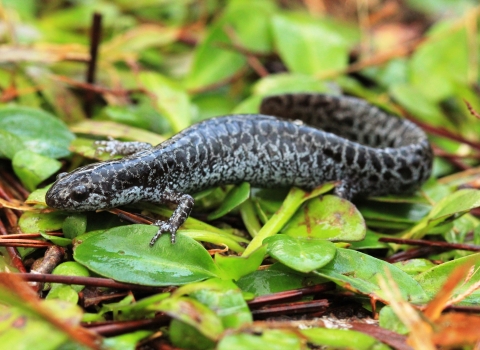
x=369 y=151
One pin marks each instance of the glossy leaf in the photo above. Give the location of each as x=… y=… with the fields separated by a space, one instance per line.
x=327 y=217
x=234 y=198
x=277 y=278
x=222 y=296
x=342 y=338
x=192 y=313
x=273 y=339
x=10 y=144
x=33 y=168
x=33 y=222
x=433 y=279
x=123 y=253
x=304 y=255
x=297 y=38
x=39 y=131
x=244 y=23
x=170 y=99
x=359 y=273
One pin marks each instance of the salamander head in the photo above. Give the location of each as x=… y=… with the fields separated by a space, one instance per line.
x=96 y=186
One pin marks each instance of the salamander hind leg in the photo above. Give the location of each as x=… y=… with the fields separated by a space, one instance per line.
x=345 y=190
x=184 y=203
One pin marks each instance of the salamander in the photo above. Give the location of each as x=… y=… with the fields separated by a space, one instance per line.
x=298 y=140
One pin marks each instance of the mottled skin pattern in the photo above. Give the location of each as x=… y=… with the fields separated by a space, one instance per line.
x=367 y=150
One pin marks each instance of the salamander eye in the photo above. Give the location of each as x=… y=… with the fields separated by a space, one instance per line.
x=79 y=193
x=60 y=175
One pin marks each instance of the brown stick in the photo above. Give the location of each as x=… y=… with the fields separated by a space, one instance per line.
x=95 y=37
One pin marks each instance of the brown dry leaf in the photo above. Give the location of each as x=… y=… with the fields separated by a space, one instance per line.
x=15 y=204
x=420 y=330
x=438 y=304
x=43 y=53
x=456 y=330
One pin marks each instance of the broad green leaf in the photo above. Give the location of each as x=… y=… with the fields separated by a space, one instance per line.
x=26 y=337
x=304 y=255
x=272 y=339
x=327 y=217
x=223 y=297
x=244 y=23
x=291 y=204
x=170 y=99
x=184 y=336
x=123 y=253
x=10 y=144
x=433 y=279
x=452 y=206
x=441 y=62
x=69 y=268
x=127 y=341
x=74 y=225
x=130 y=44
x=192 y=313
x=235 y=267
x=33 y=222
x=415 y=102
x=39 y=131
x=389 y=320
x=33 y=168
x=359 y=273
x=414 y=266
x=277 y=278
x=60 y=241
x=342 y=339
x=309 y=45
x=234 y=198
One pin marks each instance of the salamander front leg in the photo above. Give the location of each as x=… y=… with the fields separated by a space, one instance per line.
x=185 y=204
x=115 y=147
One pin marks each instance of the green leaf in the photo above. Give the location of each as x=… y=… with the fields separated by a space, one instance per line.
x=74 y=225
x=39 y=131
x=234 y=198
x=304 y=255
x=171 y=100
x=33 y=168
x=441 y=62
x=450 y=207
x=273 y=339
x=236 y=267
x=298 y=37
x=342 y=339
x=277 y=278
x=127 y=341
x=33 y=222
x=359 y=273
x=223 y=297
x=192 y=313
x=247 y=21
x=60 y=241
x=290 y=205
x=123 y=253
x=184 y=336
x=10 y=144
x=327 y=217
x=69 y=268
x=433 y=279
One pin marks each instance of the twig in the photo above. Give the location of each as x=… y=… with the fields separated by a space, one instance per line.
x=89 y=281
x=95 y=37
x=423 y=242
